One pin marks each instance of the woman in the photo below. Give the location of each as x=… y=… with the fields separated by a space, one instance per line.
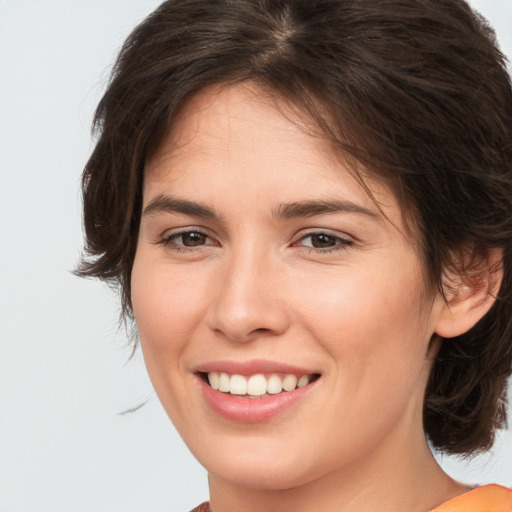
x=307 y=206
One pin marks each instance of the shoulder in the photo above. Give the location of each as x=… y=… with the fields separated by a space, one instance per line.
x=488 y=498
x=204 y=507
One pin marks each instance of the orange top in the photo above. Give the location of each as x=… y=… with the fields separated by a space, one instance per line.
x=489 y=498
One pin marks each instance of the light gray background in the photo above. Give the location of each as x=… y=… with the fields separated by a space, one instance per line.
x=64 y=376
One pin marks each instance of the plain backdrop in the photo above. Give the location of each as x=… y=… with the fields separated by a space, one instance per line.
x=65 y=378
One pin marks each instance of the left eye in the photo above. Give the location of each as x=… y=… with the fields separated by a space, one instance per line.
x=189 y=239
x=323 y=241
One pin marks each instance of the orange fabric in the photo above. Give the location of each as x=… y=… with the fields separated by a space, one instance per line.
x=489 y=498
x=204 y=507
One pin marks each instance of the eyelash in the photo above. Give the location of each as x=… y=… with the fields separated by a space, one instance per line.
x=341 y=244
x=169 y=241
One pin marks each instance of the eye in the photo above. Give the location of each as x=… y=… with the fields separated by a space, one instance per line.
x=189 y=239
x=185 y=240
x=320 y=240
x=323 y=242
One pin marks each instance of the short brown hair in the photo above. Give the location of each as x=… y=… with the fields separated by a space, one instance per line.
x=414 y=90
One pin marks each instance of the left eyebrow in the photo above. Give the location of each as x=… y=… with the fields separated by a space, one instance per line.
x=312 y=208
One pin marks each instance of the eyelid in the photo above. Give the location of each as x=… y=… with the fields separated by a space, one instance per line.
x=304 y=233
x=343 y=241
x=166 y=238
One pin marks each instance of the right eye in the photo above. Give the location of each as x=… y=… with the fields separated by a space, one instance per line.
x=186 y=240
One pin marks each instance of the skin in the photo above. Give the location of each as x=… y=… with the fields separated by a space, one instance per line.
x=253 y=286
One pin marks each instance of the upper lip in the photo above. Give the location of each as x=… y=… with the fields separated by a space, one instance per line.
x=252 y=367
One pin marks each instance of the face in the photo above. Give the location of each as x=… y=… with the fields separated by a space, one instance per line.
x=261 y=264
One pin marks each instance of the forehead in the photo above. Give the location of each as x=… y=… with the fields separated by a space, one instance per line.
x=242 y=135
x=244 y=119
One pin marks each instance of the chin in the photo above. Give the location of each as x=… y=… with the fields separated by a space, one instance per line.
x=260 y=465
x=266 y=475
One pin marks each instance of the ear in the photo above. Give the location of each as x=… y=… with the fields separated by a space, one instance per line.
x=470 y=295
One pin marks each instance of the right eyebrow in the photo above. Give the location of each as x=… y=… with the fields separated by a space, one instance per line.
x=164 y=203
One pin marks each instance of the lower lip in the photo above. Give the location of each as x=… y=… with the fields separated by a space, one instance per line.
x=253 y=410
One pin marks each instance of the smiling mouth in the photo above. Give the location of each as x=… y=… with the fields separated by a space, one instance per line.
x=258 y=385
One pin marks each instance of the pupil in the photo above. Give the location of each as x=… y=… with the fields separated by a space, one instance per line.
x=192 y=239
x=322 y=241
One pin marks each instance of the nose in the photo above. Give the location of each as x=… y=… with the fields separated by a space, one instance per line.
x=249 y=300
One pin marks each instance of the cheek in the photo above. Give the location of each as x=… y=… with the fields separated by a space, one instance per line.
x=166 y=303
x=369 y=322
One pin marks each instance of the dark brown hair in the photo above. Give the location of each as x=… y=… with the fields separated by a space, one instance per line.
x=415 y=91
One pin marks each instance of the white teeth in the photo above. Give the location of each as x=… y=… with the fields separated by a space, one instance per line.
x=224 y=382
x=213 y=379
x=256 y=385
x=303 y=381
x=238 y=385
x=290 y=383
x=274 y=385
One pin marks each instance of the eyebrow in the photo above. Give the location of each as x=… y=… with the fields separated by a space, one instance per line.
x=313 y=208
x=164 y=203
